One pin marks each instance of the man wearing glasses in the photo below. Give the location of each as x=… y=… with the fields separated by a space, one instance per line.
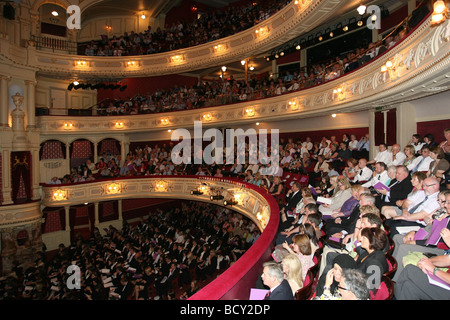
x=421 y=211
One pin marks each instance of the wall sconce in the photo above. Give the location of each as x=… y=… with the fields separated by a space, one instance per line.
x=68 y=125
x=339 y=92
x=294 y=105
x=216 y=197
x=176 y=59
x=161 y=186
x=113 y=188
x=261 y=32
x=250 y=112
x=230 y=202
x=439 y=12
x=361 y=9
x=165 y=121
x=131 y=64
x=345 y=29
x=108 y=28
x=219 y=48
x=201 y=189
x=387 y=66
x=59 y=195
x=119 y=124
x=207 y=117
x=81 y=63
x=239 y=197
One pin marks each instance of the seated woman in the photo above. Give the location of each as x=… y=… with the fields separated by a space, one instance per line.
x=348 y=206
x=372 y=261
x=342 y=194
x=292 y=268
x=439 y=165
x=415 y=196
x=301 y=247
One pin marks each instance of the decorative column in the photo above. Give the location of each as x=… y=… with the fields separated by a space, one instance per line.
x=31 y=103
x=6 y=176
x=67 y=215
x=96 y=221
x=119 y=209
x=95 y=152
x=4 y=103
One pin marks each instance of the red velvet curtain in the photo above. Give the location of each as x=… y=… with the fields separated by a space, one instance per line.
x=391 y=127
x=21 y=176
x=379 y=128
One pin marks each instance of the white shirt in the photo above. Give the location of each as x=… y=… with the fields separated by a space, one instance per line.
x=399 y=159
x=381 y=177
x=365 y=175
x=425 y=165
x=384 y=156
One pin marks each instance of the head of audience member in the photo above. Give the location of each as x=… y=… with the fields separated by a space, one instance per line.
x=382 y=147
x=395 y=148
x=425 y=151
x=373 y=239
x=401 y=173
x=409 y=151
x=362 y=163
x=365 y=197
x=417 y=179
x=430 y=185
x=391 y=171
x=369 y=208
x=371 y=220
x=380 y=167
x=272 y=274
x=353 y=285
x=436 y=153
x=293 y=270
x=343 y=183
x=301 y=244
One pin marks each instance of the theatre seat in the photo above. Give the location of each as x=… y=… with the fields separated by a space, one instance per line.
x=305 y=292
x=385 y=291
x=392 y=263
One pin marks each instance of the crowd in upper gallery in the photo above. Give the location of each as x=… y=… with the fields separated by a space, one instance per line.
x=229 y=90
x=208 y=27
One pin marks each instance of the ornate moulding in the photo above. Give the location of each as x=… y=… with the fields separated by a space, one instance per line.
x=420 y=67
x=251 y=203
x=292 y=20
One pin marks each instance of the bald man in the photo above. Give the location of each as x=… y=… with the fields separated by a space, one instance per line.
x=398 y=156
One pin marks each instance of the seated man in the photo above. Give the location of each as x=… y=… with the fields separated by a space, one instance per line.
x=364 y=173
x=398 y=156
x=273 y=277
x=413 y=282
x=399 y=187
x=422 y=210
x=379 y=175
x=422 y=162
x=413 y=242
x=384 y=155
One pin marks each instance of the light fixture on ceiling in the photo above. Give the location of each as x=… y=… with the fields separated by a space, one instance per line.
x=439 y=12
x=361 y=9
x=55 y=13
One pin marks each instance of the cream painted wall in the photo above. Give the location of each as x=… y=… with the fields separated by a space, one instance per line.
x=63 y=99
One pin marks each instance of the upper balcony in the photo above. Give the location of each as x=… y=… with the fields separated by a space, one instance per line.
x=292 y=20
x=415 y=67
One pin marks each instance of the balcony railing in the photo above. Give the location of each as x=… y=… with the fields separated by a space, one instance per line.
x=55 y=44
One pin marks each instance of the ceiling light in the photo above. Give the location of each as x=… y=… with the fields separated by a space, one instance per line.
x=252 y=68
x=361 y=9
x=243 y=62
x=143 y=16
x=345 y=28
x=55 y=13
x=224 y=68
x=334 y=115
x=75 y=83
x=439 y=7
x=298 y=47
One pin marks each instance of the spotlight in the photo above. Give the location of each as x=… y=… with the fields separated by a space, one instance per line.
x=216 y=197
x=361 y=9
x=196 y=192
x=229 y=202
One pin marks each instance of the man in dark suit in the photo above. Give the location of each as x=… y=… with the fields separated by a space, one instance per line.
x=293 y=197
x=400 y=187
x=273 y=277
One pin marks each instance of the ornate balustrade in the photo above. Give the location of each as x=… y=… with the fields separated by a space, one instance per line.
x=419 y=66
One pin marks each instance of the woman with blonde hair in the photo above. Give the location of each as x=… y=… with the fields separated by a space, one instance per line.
x=292 y=268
